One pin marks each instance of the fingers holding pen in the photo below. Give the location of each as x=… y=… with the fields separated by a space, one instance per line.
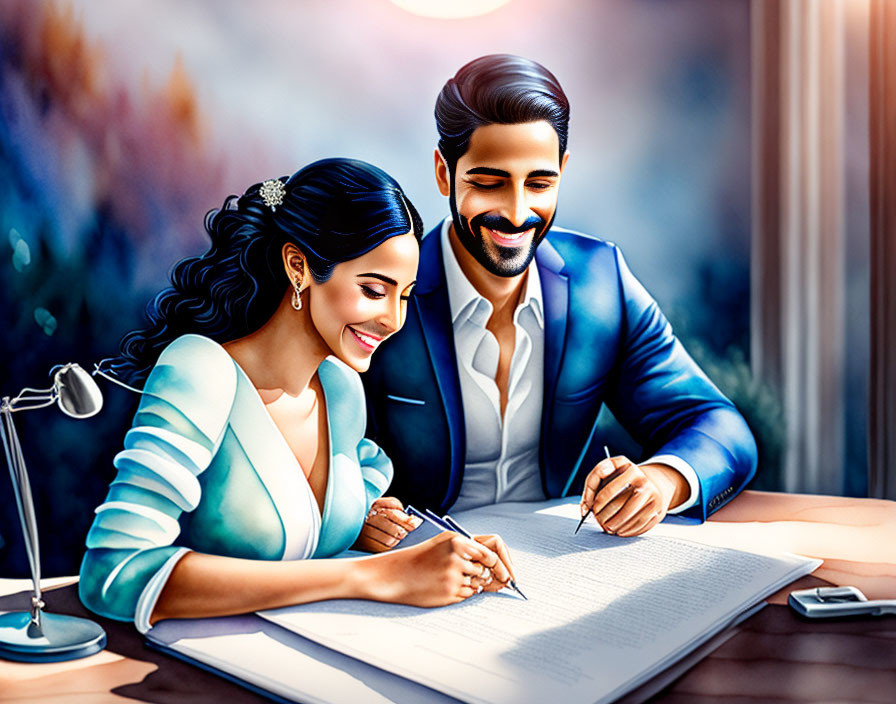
x=503 y=567
x=484 y=564
x=623 y=498
x=600 y=490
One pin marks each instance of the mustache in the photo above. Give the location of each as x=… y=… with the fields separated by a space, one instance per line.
x=502 y=224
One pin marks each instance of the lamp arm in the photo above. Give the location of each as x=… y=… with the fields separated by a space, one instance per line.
x=28 y=399
x=24 y=501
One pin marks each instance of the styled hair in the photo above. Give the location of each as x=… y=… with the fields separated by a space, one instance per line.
x=333 y=210
x=497 y=89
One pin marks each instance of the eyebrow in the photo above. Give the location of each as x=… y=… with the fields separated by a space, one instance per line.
x=543 y=173
x=385 y=279
x=488 y=171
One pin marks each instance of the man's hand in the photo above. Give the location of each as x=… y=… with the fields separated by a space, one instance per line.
x=386 y=525
x=629 y=500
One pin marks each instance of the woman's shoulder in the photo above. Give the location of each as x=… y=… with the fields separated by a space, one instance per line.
x=196 y=350
x=194 y=366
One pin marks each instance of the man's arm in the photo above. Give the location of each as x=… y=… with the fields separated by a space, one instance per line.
x=668 y=404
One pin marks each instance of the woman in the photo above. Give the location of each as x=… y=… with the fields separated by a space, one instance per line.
x=247 y=454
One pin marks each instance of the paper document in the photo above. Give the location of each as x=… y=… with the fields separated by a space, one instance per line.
x=283 y=665
x=604 y=613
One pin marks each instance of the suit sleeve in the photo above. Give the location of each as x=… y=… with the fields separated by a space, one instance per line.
x=669 y=405
x=175 y=434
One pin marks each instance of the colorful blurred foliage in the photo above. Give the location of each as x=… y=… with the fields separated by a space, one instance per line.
x=104 y=183
x=103 y=186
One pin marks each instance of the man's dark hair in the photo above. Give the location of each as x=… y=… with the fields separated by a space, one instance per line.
x=499 y=88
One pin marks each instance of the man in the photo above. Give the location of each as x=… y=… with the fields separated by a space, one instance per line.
x=518 y=332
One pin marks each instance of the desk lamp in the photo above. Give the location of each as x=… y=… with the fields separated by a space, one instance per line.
x=36 y=636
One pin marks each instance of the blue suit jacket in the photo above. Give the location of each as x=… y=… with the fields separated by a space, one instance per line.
x=606 y=341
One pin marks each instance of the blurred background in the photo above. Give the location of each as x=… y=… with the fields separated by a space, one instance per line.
x=123 y=122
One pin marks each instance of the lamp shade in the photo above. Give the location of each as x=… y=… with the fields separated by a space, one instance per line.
x=79 y=396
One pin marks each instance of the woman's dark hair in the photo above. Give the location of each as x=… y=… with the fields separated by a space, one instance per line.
x=499 y=88
x=333 y=210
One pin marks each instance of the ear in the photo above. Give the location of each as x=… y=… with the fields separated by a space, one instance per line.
x=564 y=160
x=443 y=174
x=293 y=262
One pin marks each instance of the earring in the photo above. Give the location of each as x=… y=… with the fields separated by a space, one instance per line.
x=296 y=296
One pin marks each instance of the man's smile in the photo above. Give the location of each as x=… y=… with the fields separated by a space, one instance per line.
x=507 y=239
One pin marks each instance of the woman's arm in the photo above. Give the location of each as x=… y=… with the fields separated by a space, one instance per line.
x=442 y=570
x=176 y=432
x=202 y=585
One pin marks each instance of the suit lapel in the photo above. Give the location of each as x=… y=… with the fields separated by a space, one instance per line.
x=431 y=299
x=555 y=292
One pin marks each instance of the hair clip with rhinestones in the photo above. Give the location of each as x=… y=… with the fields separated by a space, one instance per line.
x=272 y=192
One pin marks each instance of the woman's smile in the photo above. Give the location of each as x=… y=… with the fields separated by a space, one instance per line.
x=367 y=341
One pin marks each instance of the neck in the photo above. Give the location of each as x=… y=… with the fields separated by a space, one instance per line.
x=503 y=292
x=283 y=354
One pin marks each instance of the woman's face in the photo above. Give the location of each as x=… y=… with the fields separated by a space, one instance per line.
x=365 y=300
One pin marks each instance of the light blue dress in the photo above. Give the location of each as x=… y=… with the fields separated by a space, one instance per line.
x=205 y=468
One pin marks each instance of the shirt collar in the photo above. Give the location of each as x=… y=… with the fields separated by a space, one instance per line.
x=465 y=301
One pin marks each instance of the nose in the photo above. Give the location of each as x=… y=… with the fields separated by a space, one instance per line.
x=391 y=318
x=517 y=206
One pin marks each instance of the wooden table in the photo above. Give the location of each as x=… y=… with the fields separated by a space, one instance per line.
x=773 y=657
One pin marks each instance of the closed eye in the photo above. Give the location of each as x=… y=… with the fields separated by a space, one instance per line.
x=491 y=186
x=372 y=292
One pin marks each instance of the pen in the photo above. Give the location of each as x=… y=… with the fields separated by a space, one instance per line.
x=447 y=523
x=607 y=451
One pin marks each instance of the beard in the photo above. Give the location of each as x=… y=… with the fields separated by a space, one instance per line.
x=494 y=258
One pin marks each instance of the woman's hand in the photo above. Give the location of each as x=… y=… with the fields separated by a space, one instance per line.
x=627 y=499
x=386 y=525
x=497 y=546
x=445 y=569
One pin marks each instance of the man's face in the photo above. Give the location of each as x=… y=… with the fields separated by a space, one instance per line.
x=504 y=193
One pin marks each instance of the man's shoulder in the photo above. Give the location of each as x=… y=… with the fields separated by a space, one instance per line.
x=567 y=238
x=571 y=252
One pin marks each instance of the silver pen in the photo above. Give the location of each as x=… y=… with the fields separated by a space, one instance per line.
x=585 y=515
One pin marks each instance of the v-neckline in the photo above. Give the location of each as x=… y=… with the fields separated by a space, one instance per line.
x=319 y=511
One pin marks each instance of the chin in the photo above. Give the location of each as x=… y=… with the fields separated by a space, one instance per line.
x=360 y=365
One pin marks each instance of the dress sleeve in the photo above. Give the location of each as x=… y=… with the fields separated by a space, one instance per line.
x=176 y=432
x=376 y=468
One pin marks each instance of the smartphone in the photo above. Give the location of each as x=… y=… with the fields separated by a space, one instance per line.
x=838 y=602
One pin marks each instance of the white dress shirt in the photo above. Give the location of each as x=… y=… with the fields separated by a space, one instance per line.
x=501 y=462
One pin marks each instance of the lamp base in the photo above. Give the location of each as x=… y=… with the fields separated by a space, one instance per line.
x=59 y=637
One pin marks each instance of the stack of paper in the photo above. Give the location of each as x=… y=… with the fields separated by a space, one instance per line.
x=604 y=614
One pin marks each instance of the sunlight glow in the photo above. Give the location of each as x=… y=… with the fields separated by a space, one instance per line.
x=450 y=9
